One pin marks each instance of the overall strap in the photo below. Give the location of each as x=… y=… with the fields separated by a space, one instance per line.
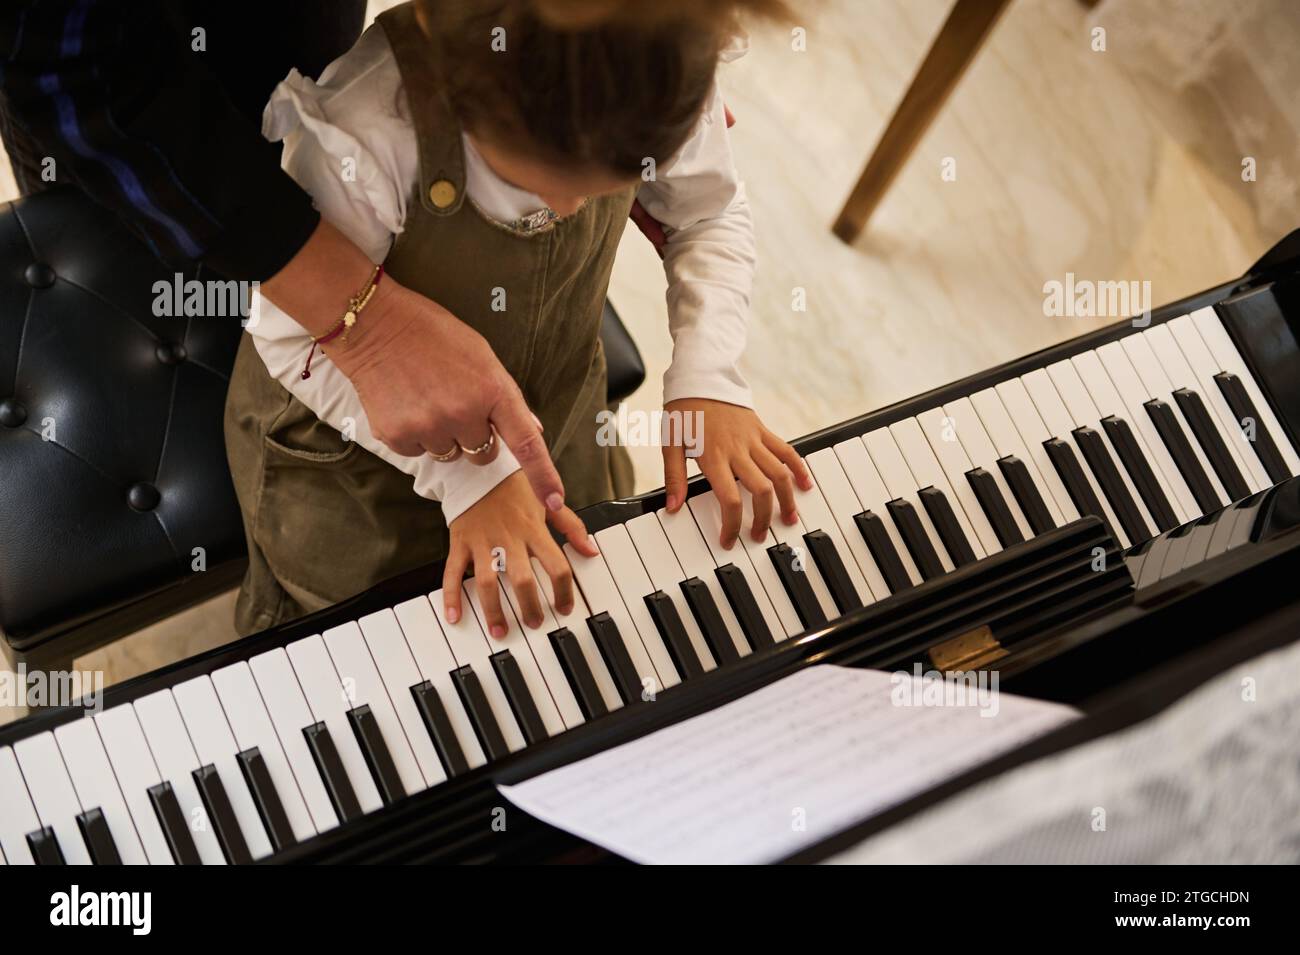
x=442 y=157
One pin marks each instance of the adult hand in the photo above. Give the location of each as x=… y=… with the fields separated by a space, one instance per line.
x=428 y=382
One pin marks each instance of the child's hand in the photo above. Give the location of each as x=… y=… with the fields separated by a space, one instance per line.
x=498 y=534
x=734 y=445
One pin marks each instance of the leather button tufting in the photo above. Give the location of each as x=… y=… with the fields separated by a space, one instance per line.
x=39 y=275
x=143 y=497
x=12 y=413
x=171 y=354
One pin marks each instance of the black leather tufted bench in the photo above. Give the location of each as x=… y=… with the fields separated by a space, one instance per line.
x=114 y=485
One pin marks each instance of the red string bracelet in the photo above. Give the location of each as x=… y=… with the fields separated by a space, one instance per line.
x=344 y=324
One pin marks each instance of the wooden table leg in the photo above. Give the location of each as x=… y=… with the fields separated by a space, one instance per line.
x=953 y=49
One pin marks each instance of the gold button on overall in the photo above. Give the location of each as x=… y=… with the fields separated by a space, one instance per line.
x=442 y=193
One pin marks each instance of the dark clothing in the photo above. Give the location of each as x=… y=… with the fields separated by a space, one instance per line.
x=166 y=135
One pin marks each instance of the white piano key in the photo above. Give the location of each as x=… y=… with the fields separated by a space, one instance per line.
x=96 y=785
x=360 y=678
x=17 y=815
x=901 y=483
x=471 y=646
x=873 y=495
x=1225 y=354
x=666 y=574
x=707 y=514
x=52 y=794
x=1188 y=364
x=982 y=453
x=943 y=456
x=563 y=711
x=792 y=536
x=1132 y=396
x=816 y=514
x=329 y=704
x=1159 y=386
x=628 y=574
x=761 y=559
x=601 y=594
x=215 y=745
x=253 y=729
x=697 y=561
x=1014 y=427
x=843 y=504
x=278 y=686
x=396 y=666
x=1074 y=395
x=1107 y=401
x=520 y=646
x=576 y=622
x=174 y=755
x=434 y=658
x=136 y=772
x=1059 y=424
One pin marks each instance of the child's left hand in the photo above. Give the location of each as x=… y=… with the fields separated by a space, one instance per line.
x=735 y=446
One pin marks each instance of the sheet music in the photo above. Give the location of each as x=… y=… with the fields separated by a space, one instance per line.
x=759 y=778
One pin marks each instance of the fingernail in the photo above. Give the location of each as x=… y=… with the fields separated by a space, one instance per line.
x=565 y=610
x=672 y=502
x=453 y=615
x=534 y=623
x=538 y=421
x=591 y=541
x=555 y=501
x=499 y=631
x=791 y=517
x=728 y=543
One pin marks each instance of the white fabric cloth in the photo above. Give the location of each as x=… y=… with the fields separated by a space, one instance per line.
x=349 y=141
x=1212 y=779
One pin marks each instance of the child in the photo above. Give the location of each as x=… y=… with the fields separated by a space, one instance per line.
x=488 y=152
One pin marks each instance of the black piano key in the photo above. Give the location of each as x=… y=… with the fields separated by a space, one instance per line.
x=44 y=847
x=669 y=624
x=269 y=808
x=710 y=620
x=1095 y=452
x=1140 y=473
x=995 y=508
x=378 y=759
x=795 y=581
x=915 y=538
x=610 y=644
x=1216 y=451
x=1026 y=494
x=481 y=717
x=581 y=680
x=440 y=730
x=521 y=701
x=94 y=829
x=1243 y=409
x=326 y=756
x=744 y=606
x=882 y=550
x=1076 y=483
x=222 y=815
x=1180 y=449
x=945 y=522
x=174 y=826
x=822 y=547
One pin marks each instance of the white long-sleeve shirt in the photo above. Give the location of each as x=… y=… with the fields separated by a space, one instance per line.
x=349 y=142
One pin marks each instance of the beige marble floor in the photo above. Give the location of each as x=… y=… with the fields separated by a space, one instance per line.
x=1063 y=164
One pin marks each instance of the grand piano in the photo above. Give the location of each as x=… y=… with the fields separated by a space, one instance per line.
x=1108 y=523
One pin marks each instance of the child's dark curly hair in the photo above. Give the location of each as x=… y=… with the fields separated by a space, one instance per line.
x=601 y=82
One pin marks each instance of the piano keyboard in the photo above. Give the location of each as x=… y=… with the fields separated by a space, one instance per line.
x=1148 y=432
